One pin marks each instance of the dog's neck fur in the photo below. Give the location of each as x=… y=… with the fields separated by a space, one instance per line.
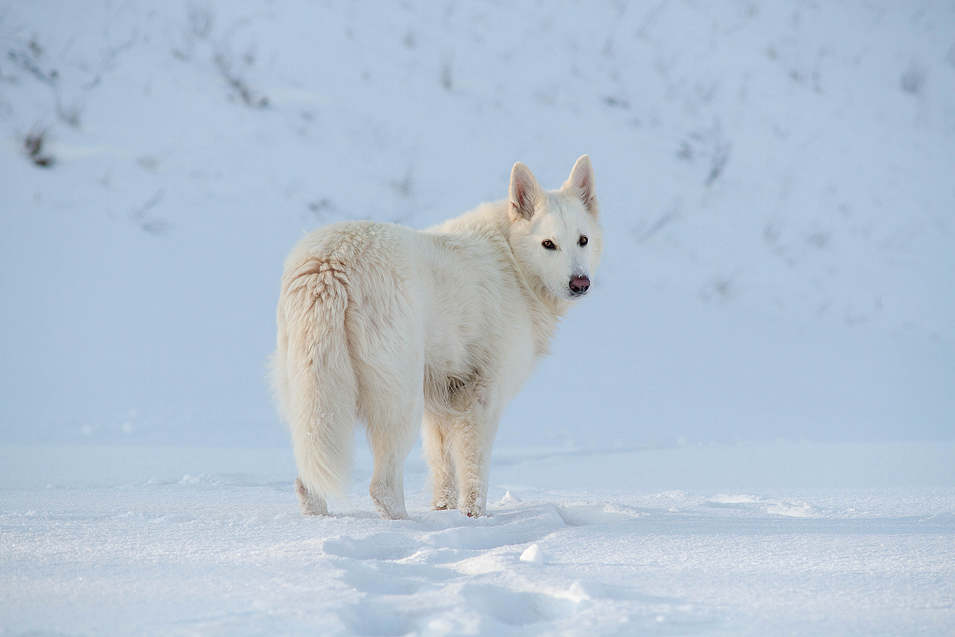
x=548 y=308
x=491 y=221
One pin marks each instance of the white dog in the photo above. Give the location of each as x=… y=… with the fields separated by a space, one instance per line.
x=395 y=327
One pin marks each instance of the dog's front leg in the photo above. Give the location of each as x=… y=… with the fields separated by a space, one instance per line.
x=437 y=448
x=474 y=434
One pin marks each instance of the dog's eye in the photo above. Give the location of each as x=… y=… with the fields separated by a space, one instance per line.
x=583 y=241
x=547 y=243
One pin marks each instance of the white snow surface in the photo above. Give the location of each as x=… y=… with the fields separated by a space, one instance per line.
x=744 y=539
x=745 y=429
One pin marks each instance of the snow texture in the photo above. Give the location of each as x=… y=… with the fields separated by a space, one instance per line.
x=745 y=429
x=748 y=539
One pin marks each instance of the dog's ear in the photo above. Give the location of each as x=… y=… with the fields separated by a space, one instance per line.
x=581 y=184
x=524 y=193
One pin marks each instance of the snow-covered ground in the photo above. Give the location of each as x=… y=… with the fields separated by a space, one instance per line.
x=763 y=380
x=748 y=539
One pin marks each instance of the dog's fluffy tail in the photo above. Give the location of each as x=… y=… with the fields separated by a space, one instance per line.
x=312 y=373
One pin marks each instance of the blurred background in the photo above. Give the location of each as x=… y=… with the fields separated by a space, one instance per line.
x=776 y=179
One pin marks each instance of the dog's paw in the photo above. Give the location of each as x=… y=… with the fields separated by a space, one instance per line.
x=443 y=504
x=389 y=502
x=473 y=503
x=473 y=511
x=310 y=503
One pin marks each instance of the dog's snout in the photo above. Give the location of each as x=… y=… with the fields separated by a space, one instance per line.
x=579 y=285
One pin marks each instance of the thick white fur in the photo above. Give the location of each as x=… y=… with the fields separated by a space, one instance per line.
x=395 y=327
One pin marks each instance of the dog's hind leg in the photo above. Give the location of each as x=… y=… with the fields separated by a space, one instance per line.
x=391 y=404
x=392 y=429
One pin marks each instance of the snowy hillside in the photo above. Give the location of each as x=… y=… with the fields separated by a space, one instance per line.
x=776 y=182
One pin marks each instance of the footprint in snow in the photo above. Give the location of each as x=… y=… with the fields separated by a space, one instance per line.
x=392 y=578
x=381 y=546
x=505 y=528
x=372 y=618
x=594 y=514
x=516 y=608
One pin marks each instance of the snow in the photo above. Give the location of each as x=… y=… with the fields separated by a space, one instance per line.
x=533 y=554
x=747 y=539
x=746 y=428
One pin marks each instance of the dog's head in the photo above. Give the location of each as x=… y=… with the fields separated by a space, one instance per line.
x=556 y=235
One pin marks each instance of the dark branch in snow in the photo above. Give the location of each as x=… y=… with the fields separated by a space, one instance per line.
x=35 y=144
x=249 y=96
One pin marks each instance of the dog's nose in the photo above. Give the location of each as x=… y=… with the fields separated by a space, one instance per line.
x=579 y=285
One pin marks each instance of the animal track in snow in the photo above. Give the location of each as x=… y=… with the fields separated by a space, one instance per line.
x=406 y=581
x=594 y=514
x=516 y=608
x=377 y=619
x=381 y=546
x=385 y=578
